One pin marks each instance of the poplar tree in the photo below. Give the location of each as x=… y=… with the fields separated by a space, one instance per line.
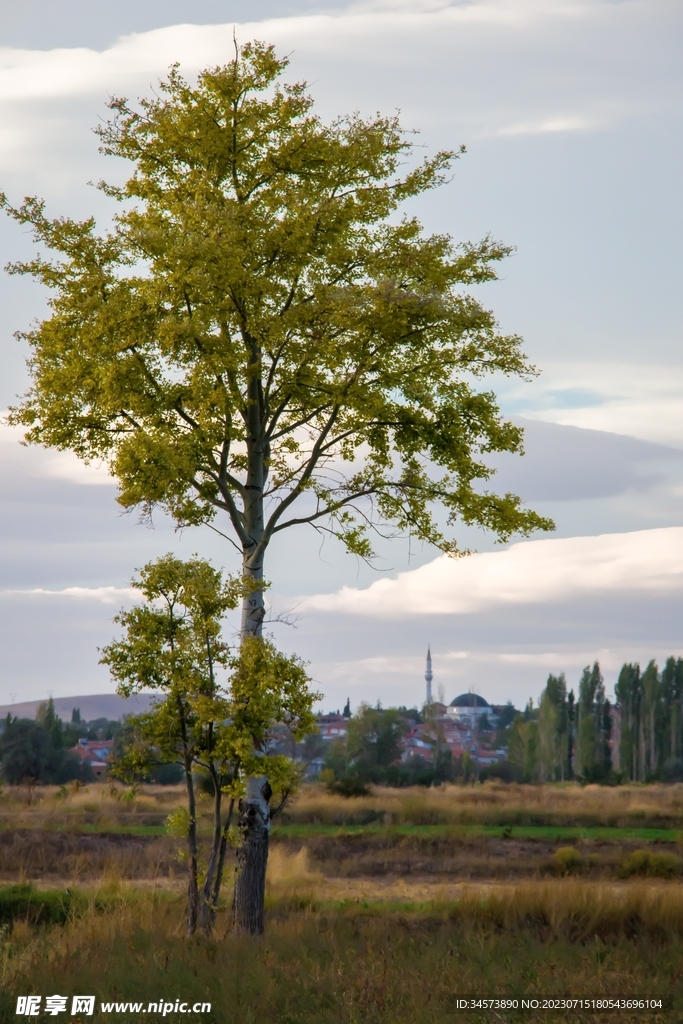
x=672 y=700
x=553 y=726
x=627 y=691
x=261 y=341
x=593 y=728
x=649 y=719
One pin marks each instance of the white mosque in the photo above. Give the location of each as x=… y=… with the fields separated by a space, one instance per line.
x=468 y=708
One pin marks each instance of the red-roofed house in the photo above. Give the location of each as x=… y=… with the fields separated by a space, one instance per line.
x=96 y=753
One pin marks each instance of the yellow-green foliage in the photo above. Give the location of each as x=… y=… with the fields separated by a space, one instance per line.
x=567 y=860
x=651 y=863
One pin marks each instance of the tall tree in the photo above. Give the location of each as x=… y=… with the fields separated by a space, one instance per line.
x=670 y=718
x=553 y=723
x=523 y=744
x=571 y=733
x=650 y=718
x=373 y=741
x=627 y=691
x=593 y=726
x=259 y=342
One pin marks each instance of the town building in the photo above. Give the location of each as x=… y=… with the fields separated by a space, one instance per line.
x=96 y=753
x=332 y=727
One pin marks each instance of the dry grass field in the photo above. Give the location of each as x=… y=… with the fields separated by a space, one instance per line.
x=380 y=909
x=496 y=803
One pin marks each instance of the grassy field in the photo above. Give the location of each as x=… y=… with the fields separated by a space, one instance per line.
x=342 y=963
x=383 y=908
x=442 y=836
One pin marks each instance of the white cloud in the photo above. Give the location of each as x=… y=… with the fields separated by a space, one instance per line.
x=555 y=124
x=48 y=464
x=647 y=561
x=67 y=466
x=35 y=74
x=641 y=400
x=105 y=595
x=379 y=29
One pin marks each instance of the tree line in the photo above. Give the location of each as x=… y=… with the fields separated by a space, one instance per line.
x=39 y=752
x=584 y=736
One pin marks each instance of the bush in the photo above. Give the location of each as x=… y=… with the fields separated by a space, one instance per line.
x=651 y=864
x=504 y=771
x=24 y=903
x=169 y=775
x=672 y=770
x=349 y=785
x=567 y=860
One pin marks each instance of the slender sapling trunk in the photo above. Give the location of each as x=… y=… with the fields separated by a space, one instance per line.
x=192 y=884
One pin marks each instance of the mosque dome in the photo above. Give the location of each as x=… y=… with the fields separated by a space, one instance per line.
x=469 y=700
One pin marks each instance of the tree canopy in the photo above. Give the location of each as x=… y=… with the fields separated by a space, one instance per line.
x=259 y=336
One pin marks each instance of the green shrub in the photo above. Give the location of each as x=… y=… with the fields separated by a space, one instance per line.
x=567 y=860
x=23 y=902
x=650 y=863
x=349 y=785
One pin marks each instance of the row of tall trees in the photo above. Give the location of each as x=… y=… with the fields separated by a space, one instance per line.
x=650 y=706
x=583 y=736
x=566 y=736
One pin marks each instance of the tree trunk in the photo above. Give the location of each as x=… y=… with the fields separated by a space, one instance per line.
x=252 y=857
x=253 y=606
x=206 y=907
x=218 y=878
x=254 y=821
x=192 y=886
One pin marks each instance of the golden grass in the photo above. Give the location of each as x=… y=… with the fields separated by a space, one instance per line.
x=488 y=803
x=495 y=803
x=290 y=874
x=360 y=950
x=358 y=963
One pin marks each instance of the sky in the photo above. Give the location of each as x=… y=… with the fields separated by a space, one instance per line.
x=571 y=114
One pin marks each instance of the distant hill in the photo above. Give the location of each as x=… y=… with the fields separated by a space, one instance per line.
x=95 y=705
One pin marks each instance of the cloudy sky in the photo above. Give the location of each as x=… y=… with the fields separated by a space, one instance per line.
x=571 y=113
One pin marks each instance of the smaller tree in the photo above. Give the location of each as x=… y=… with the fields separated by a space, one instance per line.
x=523 y=744
x=373 y=742
x=553 y=725
x=48 y=718
x=214 y=709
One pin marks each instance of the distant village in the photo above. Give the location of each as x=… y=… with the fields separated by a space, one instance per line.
x=467 y=727
x=464 y=731
x=584 y=736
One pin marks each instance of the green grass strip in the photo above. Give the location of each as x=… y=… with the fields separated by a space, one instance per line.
x=298 y=831
x=130 y=830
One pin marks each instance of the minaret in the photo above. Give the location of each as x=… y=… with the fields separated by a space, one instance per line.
x=429 y=676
